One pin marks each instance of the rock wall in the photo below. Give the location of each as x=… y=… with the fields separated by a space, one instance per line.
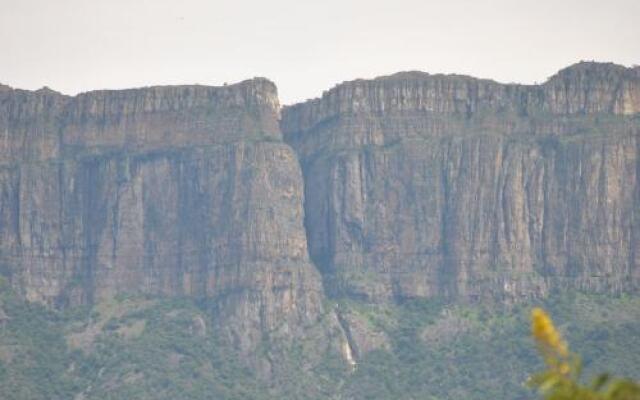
x=180 y=191
x=421 y=185
x=411 y=185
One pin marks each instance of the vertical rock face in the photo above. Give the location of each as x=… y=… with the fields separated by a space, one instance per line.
x=421 y=185
x=165 y=190
x=412 y=185
x=29 y=124
x=593 y=88
x=168 y=117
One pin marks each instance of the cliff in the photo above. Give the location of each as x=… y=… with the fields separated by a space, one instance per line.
x=333 y=246
x=423 y=185
x=173 y=191
x=406 y=186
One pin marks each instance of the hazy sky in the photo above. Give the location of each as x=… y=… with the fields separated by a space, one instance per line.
x=304 y=46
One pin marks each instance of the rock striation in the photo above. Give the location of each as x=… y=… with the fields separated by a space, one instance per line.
x=178 y=191
x=423 y=185
x=410 y=185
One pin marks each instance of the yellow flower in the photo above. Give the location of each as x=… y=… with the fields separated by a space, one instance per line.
x=552 y=347
x=564 y=368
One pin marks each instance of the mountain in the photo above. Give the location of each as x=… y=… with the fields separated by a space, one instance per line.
x=179 y=241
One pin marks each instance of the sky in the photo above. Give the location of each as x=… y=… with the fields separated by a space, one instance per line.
x=305 y=47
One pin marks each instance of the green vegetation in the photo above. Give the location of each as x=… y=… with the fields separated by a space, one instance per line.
x=485 y=351
x=126 y=349
x=138 y=348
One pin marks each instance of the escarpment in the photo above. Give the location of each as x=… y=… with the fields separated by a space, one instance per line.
x=177 y=191
x=411 y=185
x=423 y=185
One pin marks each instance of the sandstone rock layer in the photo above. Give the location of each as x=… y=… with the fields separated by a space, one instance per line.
x=179 y=191
x=423 y=185
x=411 y=185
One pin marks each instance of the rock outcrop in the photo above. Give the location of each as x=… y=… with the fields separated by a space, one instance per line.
x=423 y=185
x=411 y=185
x=180 y=191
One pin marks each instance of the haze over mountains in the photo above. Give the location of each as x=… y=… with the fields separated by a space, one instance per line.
x=381 y=192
